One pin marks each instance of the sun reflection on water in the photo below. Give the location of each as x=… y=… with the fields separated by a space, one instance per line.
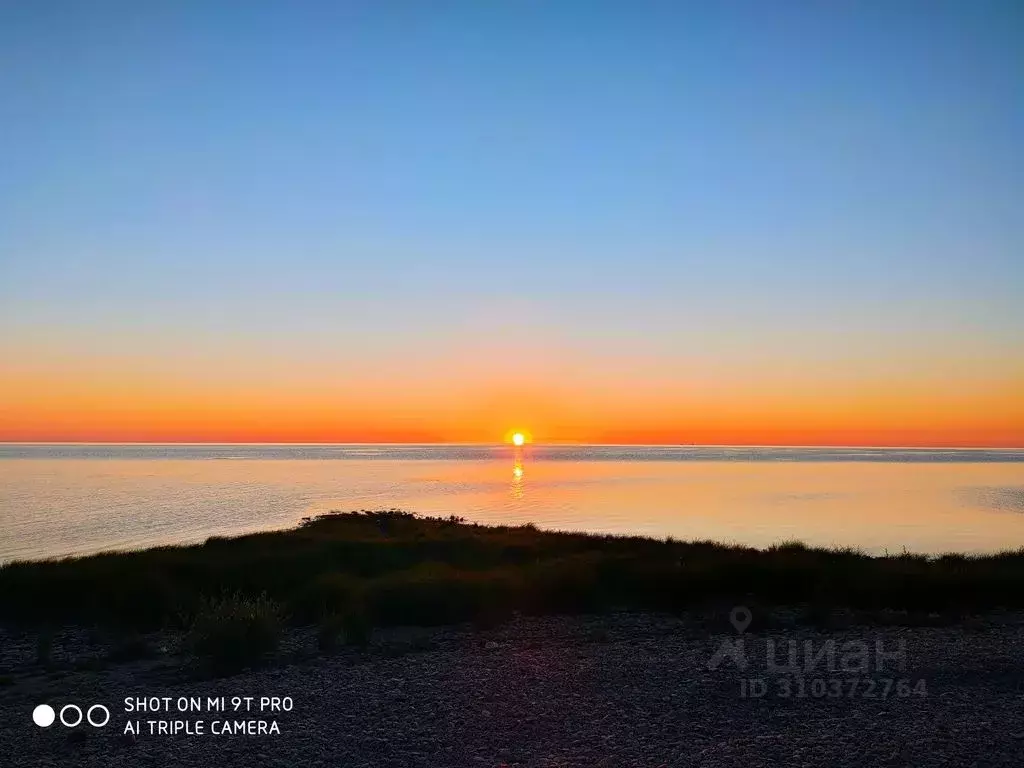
x=517 y=489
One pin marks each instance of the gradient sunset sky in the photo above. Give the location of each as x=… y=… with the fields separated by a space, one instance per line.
x=657 y=222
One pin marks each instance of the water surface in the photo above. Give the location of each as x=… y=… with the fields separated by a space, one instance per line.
x=63 y=499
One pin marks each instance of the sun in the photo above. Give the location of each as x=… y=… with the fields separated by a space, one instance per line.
x=518 y=437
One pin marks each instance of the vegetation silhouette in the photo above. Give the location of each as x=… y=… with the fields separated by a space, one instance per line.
x=351 y=571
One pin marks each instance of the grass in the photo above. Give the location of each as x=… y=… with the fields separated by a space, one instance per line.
x=347 y=572
x=235 y=631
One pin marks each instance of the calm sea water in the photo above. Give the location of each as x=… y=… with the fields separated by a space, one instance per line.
x=65 y=499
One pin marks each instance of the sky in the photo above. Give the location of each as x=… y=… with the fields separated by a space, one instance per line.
x=648 y=222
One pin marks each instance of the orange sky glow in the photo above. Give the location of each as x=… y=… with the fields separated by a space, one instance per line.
x=105 y=404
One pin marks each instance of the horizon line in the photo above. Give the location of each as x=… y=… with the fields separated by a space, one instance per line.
x=553 y=444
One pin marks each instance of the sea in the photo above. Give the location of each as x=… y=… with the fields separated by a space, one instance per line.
x=60 y=500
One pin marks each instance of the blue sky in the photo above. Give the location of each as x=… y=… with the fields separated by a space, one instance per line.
x=691 y=179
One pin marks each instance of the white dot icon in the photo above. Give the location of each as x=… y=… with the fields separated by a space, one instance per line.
x=43 y=715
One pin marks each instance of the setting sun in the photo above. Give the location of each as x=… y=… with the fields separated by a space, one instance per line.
x=518 y=437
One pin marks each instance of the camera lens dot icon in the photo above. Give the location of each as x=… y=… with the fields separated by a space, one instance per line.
x=43 y=715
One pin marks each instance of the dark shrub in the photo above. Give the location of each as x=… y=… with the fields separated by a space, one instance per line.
x=336 y=629
x=330 y=594
x=234 y=631
x=131 y=648
x=329 y=632
x=356 y=629
x=435 y=594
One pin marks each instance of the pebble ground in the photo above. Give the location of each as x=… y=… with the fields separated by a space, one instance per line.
x=600 y=692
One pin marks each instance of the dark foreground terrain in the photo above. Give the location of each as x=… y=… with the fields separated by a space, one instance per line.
x=384 y=639
x=393 y=568
x=613 y=690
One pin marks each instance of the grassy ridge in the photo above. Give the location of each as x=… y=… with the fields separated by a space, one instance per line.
x=391 y=567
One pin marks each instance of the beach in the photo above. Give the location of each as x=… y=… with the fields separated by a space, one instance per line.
x=616 y=690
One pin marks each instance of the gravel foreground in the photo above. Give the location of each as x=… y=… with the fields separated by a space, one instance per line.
x=620 y=690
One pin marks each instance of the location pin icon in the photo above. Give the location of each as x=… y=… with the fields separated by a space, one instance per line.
x=740 y=616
